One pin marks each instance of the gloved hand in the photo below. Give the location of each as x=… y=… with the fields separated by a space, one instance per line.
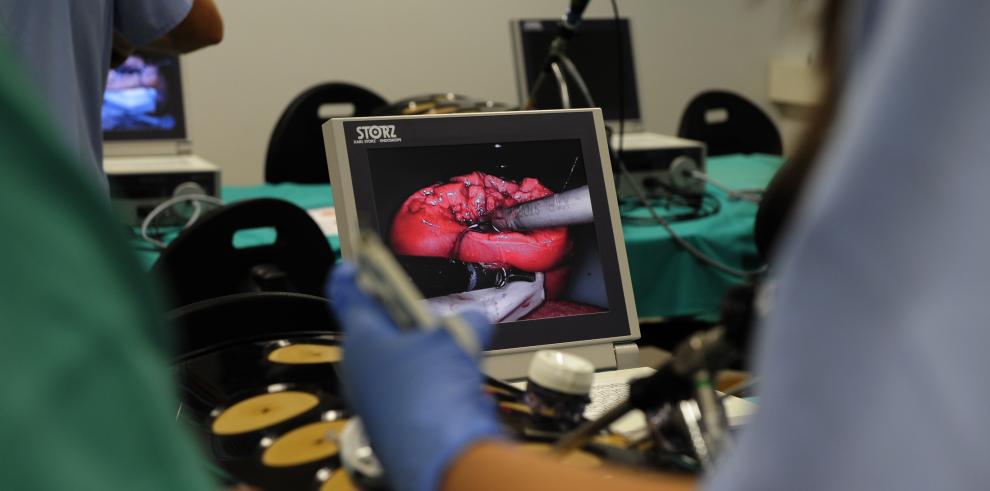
x=418 y=394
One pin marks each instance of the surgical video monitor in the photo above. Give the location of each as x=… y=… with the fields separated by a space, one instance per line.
x=512 y=214
x=143 y=99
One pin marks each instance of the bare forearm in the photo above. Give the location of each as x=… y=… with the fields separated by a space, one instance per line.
x=491 y=466
x=202 y=27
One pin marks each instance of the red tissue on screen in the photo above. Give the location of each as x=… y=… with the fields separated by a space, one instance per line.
x=435 y=221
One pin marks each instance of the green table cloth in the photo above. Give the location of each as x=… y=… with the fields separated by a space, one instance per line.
x=667 y=281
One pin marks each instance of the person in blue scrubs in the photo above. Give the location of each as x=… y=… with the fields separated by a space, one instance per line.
x=66 y=47
x=872 y=356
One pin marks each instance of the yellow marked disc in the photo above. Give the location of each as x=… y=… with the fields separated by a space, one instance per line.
x=305 y=354
x=339 y=481
x=303 y=445
x=263 y=411
x=576 y=458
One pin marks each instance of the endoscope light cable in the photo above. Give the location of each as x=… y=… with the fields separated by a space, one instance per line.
x=575 y=74
x=565 y=96
x=753 y=196
x=624 y=171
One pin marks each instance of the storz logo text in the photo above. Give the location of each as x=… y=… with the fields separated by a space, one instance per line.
x=382 y=133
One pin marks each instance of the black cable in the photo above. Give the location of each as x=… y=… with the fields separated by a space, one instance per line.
x=702 y=206
x=624 y=172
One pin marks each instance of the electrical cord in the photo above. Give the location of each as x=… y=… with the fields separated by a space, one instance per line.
x=197 y=202
x=641 y=194
x=700 y=256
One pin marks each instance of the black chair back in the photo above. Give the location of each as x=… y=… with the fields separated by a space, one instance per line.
x=203 y=262
x=295 y=151
x=728 y=123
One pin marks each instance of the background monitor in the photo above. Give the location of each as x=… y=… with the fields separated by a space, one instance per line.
x=593 y=50
x=428 y=185
x=143 y=99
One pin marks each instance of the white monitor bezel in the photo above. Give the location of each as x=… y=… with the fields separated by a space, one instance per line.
x=347 y=219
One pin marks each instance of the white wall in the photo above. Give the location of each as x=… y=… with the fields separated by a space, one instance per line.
x=274 y=50
x=799 y=46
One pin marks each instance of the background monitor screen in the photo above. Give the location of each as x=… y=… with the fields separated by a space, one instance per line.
x=143 y=99
x=430 y=186
x=594 y=51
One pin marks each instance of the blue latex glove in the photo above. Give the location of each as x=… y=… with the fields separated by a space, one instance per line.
x=418 y=394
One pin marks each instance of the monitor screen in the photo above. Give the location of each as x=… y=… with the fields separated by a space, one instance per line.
x=435 y=205
x=594 y=51
x=143 y=99
x=485 y=215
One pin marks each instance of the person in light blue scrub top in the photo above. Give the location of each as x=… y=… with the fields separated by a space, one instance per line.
x=873 y=350
x=65 y=48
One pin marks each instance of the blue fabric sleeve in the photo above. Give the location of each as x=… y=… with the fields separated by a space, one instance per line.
x=144 y=21
x=873 y=360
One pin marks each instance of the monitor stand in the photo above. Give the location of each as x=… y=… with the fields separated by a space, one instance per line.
x=604 y=356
